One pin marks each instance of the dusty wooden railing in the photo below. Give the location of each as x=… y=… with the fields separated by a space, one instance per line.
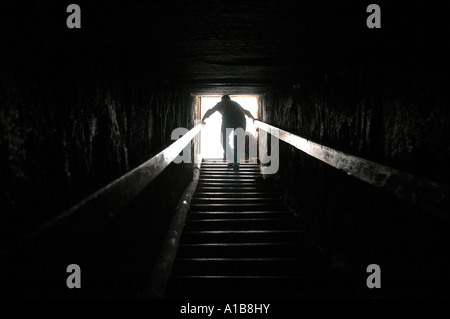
x=428 y=195
x=115 y=196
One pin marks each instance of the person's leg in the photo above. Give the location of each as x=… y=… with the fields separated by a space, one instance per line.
x=240 y=147
x=223 y=141
x=235 y=149
x=238 y=144
x=228 y=152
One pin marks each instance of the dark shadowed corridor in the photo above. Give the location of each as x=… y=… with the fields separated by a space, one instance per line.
x=91 y=176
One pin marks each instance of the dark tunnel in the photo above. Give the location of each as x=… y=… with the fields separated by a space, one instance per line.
x=81 y=107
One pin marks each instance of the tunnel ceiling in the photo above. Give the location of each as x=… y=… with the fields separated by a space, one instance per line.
x=234 y=47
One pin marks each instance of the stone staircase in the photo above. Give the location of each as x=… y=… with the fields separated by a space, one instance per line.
x=241 y=241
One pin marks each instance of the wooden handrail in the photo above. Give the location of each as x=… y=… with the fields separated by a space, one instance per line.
x=117 y=194
x=428 y=195
x=162 y=268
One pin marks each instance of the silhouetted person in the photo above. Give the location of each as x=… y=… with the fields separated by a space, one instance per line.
x=233 y=117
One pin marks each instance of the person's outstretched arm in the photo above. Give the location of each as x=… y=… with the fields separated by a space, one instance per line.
x=209 y=113
x=246 y=112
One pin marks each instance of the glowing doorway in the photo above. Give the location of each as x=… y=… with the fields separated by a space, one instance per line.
x=210 y=141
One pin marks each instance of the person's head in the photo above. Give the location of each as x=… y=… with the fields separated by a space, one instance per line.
x=226 y=98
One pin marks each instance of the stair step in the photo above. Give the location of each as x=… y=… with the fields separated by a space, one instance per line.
x=247 y=267
x=233 y=184
x=229 y=176
x=225 y=167
x=237 y=250
x=236 y=200
x=249 y=236
x=237 y=215
x=224 y=163
x=225 y=180
x=249 y=195
x=227 y=188
x=241 y=224
x=230 y=172
x=251 y=287
x=237 y=207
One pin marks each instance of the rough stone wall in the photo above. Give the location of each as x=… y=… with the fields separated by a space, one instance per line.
x=78 y=110
x=394 y=116
x=65 y=131
x=65 y=134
